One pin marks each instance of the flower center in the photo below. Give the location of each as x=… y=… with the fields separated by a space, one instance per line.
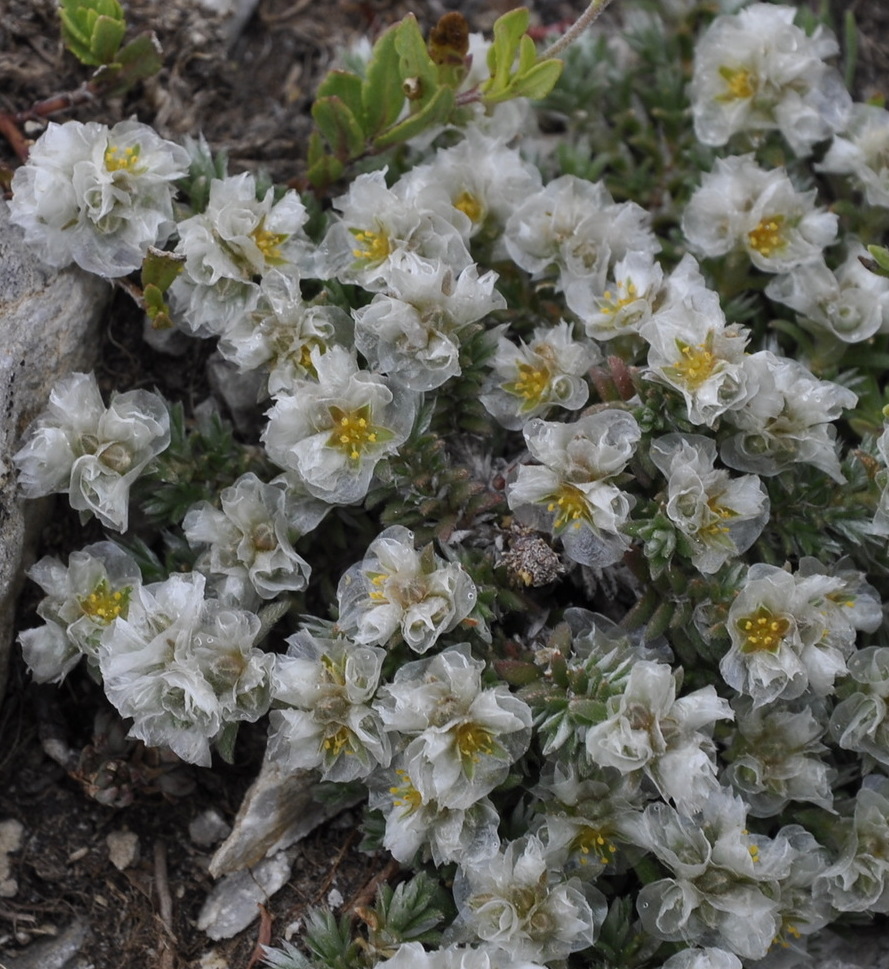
x=372 y=247
x=405 y=795
x=338 y=742
x=592 y=841
x=470 y=206
x=472 y=741
x=269 y=243
x=122 y=159
x=531 y=384
x=353 y=432
x=766 y=238
x=104 y=605
x=695 y=364
x=762 y=631
x=569 y=505
x=739 y=82
x=613 y=304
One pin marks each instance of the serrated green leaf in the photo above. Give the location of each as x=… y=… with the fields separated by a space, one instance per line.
x=160 y=268
x=417 y=70
x=381 y=93
x=339 y=126
x=347 y=87
x=435 y=112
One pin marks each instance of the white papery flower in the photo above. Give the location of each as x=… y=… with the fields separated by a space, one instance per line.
x=517 y=902
x=334 y=431
x=575 y=228
x=481 y=177
x=412 y=955
x=280 y=331
x=323 y=690
x=720 y=516
x=82 y=598
x=381 y=229
x=459 y=739
x=789 y=634
x=397 y=593
x=648 y=728
x=785 y=418
x=530 y=379
x=756 y=71
x=96 y=196
x=725 y=879
x=881 y=515
x=708 y=958
x=775 y=757
x=570 y=492
x=740 y=206
x=413 y=333
x=863 y=152
x=851 y=303
x=248 y=543
x=693 y=350
x=417 y=824
x=93 y=454
x=183 y=667
x=227 y=247
x=860 y=720
x=858 y=881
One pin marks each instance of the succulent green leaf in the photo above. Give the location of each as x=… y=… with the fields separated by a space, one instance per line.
x=156 y=308
x=92 y=29
x=435 y=112
x=382 y=94
x=339 y=126
x=418 y=72
x=324 y=170
x=880 y=256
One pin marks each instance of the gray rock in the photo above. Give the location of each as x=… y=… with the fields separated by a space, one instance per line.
x=57 y=953
x=49 y=326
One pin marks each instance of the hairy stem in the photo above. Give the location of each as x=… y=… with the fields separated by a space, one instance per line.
x=576 y=29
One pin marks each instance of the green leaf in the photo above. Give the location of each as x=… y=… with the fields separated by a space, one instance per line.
x=435 y=112
x=881 y=260
x=325 y=170
x=508 y=32
x=382 y=94
x=340 y=127
x=160 y=268
x=139 y=59
x=517 y=673
x=345 y=86
x=417 y=70
x=225 y=742
x=92 y=29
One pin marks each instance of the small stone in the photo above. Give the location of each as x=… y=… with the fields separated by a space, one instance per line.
x=334 y=898
x=77 y=855
x=123 y=849
x=213 y=959
x=208 y=828
x=234 y=902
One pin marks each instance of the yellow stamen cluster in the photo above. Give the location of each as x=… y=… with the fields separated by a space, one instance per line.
x=122 y=159
x=269 y=243
x=754 y=852
x=377 y=580
x=104 y=605
x=531 y=383
x=787 y=929
x=740 y=84
x=472 y=741
x=762 y=631
x=353 y=432
x=470 y=206
x=592 y=841
x=338 y=742
x=696 y=363
x=612 y=304
x=767 y=238
x=721 y=513
x=569 y=506
x=372 y=247
x=405 y=795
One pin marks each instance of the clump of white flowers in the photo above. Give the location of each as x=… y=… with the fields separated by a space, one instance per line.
x=554 y=524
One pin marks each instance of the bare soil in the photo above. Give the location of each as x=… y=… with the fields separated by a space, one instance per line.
x=254 y=100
